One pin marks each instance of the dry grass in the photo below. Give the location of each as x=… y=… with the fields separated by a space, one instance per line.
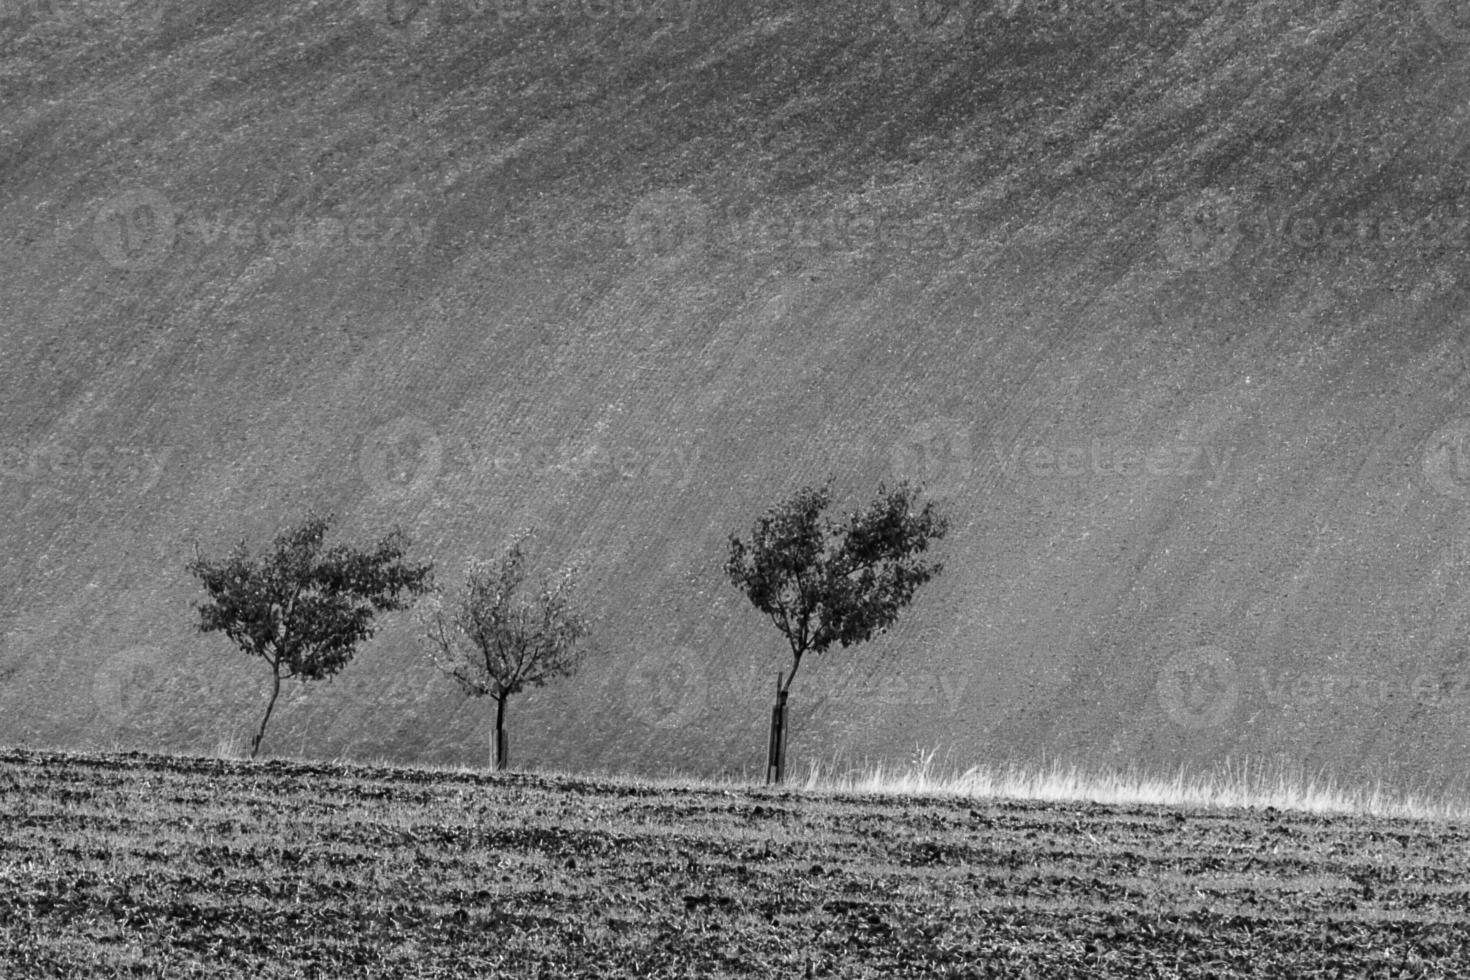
x=1233 y=785
x=1244 y=785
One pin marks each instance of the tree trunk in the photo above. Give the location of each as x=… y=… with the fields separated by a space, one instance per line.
x=783 y=687
x=271 y=706
x=776 y=756
x=501 y=749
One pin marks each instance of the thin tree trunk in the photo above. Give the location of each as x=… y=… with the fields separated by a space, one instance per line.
x=776 y=755
x=776 y=758
x=275 y=693
x=500 y=748
x=795 y=666
x=781 y=740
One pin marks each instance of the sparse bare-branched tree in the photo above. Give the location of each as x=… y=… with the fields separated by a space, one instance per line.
x=496 y=639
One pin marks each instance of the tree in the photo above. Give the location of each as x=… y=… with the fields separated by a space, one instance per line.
x=495 y=640
x=304 y=608
x=823 y=582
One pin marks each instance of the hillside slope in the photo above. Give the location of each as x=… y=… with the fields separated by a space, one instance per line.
x=1167 y=305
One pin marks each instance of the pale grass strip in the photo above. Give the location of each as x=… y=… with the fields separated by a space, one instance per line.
x=1228 y=786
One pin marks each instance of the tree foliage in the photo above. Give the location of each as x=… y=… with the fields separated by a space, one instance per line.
x=495 y=639
x=304 y=608
x=823 y=581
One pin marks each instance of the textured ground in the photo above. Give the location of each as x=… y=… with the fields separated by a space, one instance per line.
x=147 y=866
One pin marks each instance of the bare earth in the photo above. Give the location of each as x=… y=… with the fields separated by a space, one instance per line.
x=147 y=866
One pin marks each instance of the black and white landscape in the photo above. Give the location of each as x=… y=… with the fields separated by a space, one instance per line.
x=1164 y=304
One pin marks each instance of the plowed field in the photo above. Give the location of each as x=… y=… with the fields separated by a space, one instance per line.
x=150 y=866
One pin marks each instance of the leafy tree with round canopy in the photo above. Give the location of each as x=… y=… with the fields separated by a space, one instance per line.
x=824 y=582
x=304 y=608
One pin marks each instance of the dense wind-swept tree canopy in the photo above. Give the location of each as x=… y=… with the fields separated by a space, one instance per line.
x=822 y=581
x=304 y=608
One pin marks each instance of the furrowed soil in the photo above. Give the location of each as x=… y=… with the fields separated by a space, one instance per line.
x=1167 y=304
x=144 y=866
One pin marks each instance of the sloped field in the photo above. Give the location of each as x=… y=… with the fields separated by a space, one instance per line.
x=1165 y=301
